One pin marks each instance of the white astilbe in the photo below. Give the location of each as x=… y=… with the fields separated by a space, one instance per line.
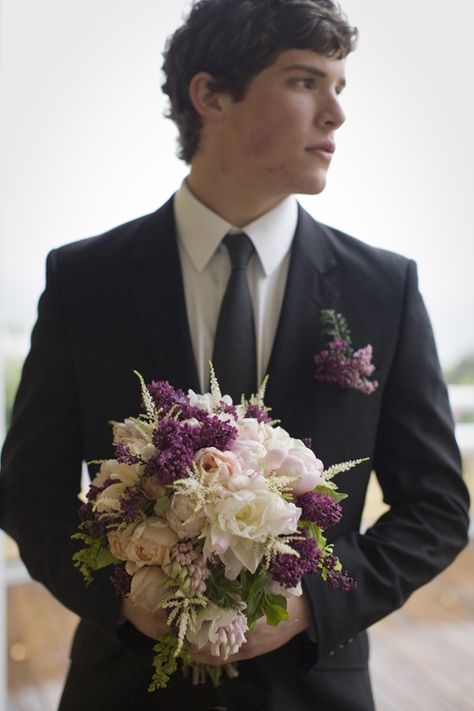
x=276 y=545
x=281 y=484
x=183 y=611
x=201 y=492
x=214 y=384
x=150 y=408
x=331 y=472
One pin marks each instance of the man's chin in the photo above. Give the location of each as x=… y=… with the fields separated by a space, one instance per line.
x=313 y=186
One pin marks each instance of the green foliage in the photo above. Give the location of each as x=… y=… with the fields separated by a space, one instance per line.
x=335 y=326
x=221 y=591
x=274 y=608
x=260 y=601
x=163 y=503
x=338 y=496
x=94 y=557
x=165 y=661
x=316 y=533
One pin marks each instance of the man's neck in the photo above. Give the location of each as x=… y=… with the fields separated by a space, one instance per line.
x=236 y=203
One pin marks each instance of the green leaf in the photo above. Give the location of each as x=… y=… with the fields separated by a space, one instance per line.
x=275 y=609
x=337 y=496
x=163 y=503
x=223 y=592
x=335 y=326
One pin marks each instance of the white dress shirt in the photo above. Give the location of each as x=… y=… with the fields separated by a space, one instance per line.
x=205 y=265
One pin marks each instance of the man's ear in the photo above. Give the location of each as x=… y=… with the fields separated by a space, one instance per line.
x=205 y=100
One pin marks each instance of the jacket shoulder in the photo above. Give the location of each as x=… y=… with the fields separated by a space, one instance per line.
x=355 y=253
x=114 y=243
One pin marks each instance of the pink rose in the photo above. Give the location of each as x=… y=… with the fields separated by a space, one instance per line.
x=222 y=465
x=148 y=588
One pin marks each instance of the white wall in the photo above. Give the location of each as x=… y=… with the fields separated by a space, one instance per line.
x=84 y=145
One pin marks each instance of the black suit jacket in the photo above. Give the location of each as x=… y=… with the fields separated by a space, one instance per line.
x=115 y=303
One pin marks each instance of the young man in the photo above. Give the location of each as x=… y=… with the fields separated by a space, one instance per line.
x=254 y=88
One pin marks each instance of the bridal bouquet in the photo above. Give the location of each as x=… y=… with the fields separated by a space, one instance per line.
x=211 y=514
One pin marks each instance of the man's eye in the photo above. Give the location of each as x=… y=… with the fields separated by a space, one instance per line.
x=305 y=83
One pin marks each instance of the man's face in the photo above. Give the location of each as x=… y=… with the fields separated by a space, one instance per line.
x=280 y=138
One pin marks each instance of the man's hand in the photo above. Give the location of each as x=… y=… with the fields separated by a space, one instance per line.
x=151 y=624
x=264 y=637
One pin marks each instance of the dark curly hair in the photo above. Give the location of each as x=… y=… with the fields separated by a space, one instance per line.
x=234 y=40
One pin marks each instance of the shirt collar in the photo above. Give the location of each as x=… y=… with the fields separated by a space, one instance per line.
x=200 y=230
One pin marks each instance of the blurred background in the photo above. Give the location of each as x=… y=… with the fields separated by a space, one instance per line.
x=84 y=146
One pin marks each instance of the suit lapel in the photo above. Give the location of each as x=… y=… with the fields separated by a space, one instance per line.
x=156 y=289
x=312 y=284
x=157 y=292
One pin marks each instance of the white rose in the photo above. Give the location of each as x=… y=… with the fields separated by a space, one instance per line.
x=207 y=402
x=108 y=500
x=134 y=434
x=128 y=474
x=251 y=430
x=182 y=517
x=149 y=542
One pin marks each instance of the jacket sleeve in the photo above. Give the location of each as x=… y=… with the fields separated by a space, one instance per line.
x=418 y=465
x=41 y=468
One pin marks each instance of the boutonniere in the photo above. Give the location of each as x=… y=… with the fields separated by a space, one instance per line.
x=338 y=362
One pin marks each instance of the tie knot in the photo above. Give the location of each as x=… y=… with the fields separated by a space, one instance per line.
x=240 y=249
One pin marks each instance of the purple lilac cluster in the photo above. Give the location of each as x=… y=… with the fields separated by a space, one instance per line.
x=165 y=396
x=169 y=399
x=177 y=443
x=98 y=524
x=288 y=569
x=259 y=412
x=121 y=580
x=337 y=363
x=133 y=503
x=124 y=456
x=338 y=579
x=319 y=508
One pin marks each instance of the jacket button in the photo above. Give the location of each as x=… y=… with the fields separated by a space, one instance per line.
x=332 y=653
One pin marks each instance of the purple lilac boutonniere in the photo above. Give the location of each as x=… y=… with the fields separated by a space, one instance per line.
x=338 y=362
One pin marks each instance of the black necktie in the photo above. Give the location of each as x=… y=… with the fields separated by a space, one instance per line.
x=234 y=359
